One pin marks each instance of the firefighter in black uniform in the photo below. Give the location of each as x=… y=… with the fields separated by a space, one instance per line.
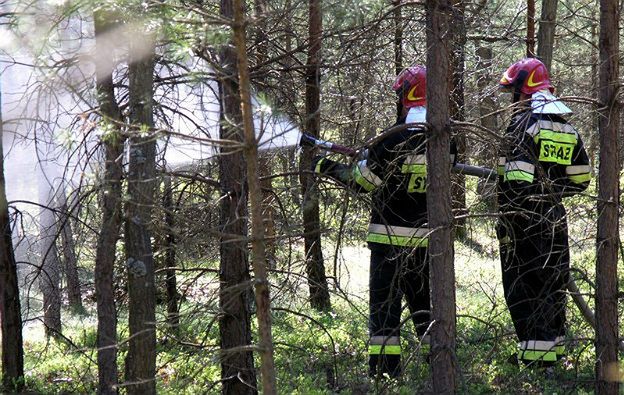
x=542 y=161
x=395 y=171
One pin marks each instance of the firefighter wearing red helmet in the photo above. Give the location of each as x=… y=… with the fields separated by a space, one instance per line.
x=394 y=170
x=542 y=161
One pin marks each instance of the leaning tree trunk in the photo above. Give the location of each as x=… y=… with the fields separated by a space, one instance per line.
x=439 y=205
x=317 y=281
x=261 y=281
x=10 y=311
x=141 y=358
x=546 y=32
x=235 y=293
x=456 y=70
x=607 y=242
x=68 y=247
x=113 y=143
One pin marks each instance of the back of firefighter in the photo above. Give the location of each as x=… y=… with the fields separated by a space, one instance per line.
x=542 y=161
x=394 y=170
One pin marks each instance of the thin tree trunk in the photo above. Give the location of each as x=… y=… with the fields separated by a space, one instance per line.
x=530 y=38
x=458 y=181
x=546 y=32
x=70 y=261
x=439 y=204
x=268 y=197
x=487 y=117
x=398 y=46
x=317 y=281
x=110 y=195
x=607 y=242
x=10 y=310
x=141 y=358
x=173 y=310
x=261 y=281
x=235 y=294
x=50 y=271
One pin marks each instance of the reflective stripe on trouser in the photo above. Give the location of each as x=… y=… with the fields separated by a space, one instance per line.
x=395 y=272
x=389 y=345
x=537 y=350
x=399 y=236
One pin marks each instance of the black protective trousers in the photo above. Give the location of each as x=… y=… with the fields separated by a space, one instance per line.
x=535 y=264
x=394 y=272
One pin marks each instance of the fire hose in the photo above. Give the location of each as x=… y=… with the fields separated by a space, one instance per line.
x=460 y=168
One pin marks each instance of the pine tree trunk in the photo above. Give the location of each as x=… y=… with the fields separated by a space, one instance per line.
x=141 y=358
x=530 y=38
x=110 y=195
x=261 y=281
x=315 y=269
x=546 y=32
x=607 y=243
x=173 y=311
x=50 y=274
x=439 y=197
x=10 y=310
x=235 y=293
x=458 y=181
x=70 y=261
x=398 y=46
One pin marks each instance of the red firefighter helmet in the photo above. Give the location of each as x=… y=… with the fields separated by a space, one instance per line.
x=411 y=86
x=528 y=75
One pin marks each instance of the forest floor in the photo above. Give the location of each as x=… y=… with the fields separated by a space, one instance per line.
x=323 y=353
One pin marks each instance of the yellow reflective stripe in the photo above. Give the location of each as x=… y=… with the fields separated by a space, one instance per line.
x=360 y=179
x=580 y=178
x=557 y=137
x=501 y=170
x=317 y=168
x=401 y=241
x=533 y=355
x=518 y=175
x=560 y=350
x=414 y=168
x=379 y=349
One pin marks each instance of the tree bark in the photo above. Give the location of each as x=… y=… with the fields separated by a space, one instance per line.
x=442 y=280
x=458 y=181
x=173 y=310
x=141 y=359
x=10 y=310
x=546 y=32
x=398 y=46
x=235 y=293
x=50 y=270
x=315 y=269
x=70 y=261
x=264 y=158
x=530 y=38
x=113 y=144
x=488 y=119
x=607 y=242
x=261 y=281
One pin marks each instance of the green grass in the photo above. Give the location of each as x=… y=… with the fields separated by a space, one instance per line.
x=324 y=353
